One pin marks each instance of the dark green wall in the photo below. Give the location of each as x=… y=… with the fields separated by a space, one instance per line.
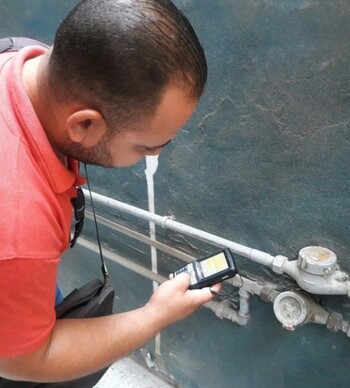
x=263 y=162
x=266 y=157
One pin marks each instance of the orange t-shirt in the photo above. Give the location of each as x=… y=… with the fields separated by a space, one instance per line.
x=35 y=215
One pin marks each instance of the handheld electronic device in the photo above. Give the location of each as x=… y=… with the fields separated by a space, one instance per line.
x=210 y=269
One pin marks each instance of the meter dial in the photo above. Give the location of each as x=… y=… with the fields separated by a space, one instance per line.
x=290 y=309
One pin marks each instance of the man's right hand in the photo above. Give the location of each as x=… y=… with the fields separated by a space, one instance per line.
x=173 y=301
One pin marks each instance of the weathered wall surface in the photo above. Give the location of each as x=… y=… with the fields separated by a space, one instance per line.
x=263 y=162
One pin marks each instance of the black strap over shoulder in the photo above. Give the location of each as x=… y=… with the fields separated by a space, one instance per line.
x=17 y=43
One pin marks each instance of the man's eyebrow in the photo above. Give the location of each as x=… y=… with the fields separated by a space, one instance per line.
x=160 y=146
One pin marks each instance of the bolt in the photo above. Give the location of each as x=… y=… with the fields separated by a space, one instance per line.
x=334 y=322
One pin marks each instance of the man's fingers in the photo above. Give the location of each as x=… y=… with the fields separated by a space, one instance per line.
x=216 y=287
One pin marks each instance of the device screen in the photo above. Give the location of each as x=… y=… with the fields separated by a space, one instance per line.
x=210 y=270
x=213 y=265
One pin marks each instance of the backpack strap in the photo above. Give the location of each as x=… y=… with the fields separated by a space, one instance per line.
x=16 y=43
x=5 y=44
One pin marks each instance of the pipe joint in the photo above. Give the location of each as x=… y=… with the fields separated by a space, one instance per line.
x=165 y=219
x=278 y=263
x=334 y=322
x=268 y=294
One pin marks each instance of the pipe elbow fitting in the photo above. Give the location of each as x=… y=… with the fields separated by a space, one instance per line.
x=278 y=263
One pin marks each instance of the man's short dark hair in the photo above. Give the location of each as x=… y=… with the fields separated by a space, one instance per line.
x=118 y=56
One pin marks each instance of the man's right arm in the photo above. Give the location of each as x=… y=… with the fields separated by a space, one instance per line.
x=77 y=347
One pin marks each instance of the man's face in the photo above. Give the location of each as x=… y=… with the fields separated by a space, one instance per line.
x=127 y=147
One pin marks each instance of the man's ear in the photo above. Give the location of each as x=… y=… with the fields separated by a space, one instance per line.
x=86 y=126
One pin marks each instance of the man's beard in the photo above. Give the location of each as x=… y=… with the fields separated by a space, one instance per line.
x=98 y=155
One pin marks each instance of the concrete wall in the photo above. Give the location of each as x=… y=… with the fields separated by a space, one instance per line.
x=266 y=157
x=263 y=162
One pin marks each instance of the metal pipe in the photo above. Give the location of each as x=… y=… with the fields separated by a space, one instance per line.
x=170 y=223
x=122 y=261
x=141 y=237
x=334 y=282
x=243 y=303
x=223 y=309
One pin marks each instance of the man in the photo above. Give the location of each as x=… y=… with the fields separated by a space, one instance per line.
x=122 y=77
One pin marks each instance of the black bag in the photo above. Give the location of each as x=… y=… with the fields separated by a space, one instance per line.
x=94 y=299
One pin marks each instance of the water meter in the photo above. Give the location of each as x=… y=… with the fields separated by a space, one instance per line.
x=317 y=260
x=290 y=309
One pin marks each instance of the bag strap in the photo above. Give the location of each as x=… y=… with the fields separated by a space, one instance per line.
x=5 y=44
x=103 y=263
x=16 y=43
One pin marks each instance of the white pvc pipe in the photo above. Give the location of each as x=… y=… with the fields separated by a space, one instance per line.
x=170 y=223
x=151 y=168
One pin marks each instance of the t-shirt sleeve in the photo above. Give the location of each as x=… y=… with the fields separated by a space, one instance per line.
x=27 y=304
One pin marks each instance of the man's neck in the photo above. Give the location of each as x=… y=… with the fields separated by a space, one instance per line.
x=35 y=85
